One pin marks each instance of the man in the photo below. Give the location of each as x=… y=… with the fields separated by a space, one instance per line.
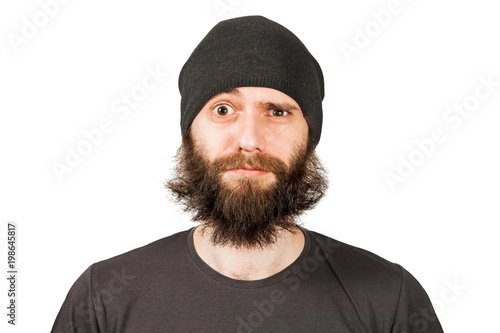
x=251 y=117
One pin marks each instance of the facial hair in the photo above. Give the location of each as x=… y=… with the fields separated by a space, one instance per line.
x=247 y=212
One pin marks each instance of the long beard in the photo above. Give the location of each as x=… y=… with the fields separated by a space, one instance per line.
x=246 y=212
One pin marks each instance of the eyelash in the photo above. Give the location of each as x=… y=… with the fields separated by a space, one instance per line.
x=286 y=113
x=215 y=108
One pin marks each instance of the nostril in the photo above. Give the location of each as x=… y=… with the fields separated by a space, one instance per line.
x=249 y=150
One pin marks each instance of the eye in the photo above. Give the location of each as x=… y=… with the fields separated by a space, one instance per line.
x=278 y=113
x=223 y=110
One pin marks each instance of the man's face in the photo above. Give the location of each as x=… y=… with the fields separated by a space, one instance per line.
x=247 y=167
x=250 y=121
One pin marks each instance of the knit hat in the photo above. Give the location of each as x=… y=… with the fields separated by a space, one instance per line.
x=252 y=51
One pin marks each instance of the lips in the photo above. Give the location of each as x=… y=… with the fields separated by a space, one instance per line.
x=248 y=171
x=246 y=167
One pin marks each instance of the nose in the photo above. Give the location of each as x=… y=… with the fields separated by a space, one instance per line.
x=250 y=132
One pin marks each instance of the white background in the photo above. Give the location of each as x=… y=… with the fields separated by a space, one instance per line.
x=439 y=223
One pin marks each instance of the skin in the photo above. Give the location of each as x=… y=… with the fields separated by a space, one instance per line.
x=250 y=120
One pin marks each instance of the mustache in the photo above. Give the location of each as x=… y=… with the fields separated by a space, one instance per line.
x=256 y=161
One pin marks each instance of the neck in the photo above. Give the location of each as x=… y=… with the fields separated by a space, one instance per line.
x=249 y=263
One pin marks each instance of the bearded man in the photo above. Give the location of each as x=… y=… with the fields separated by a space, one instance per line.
x=251 y=118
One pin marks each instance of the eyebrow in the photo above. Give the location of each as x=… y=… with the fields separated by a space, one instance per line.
x=270 y=105
x=232 y=91
x=280 y=106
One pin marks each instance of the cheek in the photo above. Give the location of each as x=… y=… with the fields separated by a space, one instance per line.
x=283 y=148
x=287 y=145
x=213 y=150
x=213 y=144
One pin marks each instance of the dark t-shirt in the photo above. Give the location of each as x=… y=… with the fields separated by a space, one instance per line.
x=166 y=287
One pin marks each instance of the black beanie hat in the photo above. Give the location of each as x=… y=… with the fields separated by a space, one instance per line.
x=252 y=51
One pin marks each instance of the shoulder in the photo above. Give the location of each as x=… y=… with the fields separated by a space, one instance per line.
x=108 y=285
x=355 y=262
x=383 y=293
x=150 y=260
x=372 y=283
